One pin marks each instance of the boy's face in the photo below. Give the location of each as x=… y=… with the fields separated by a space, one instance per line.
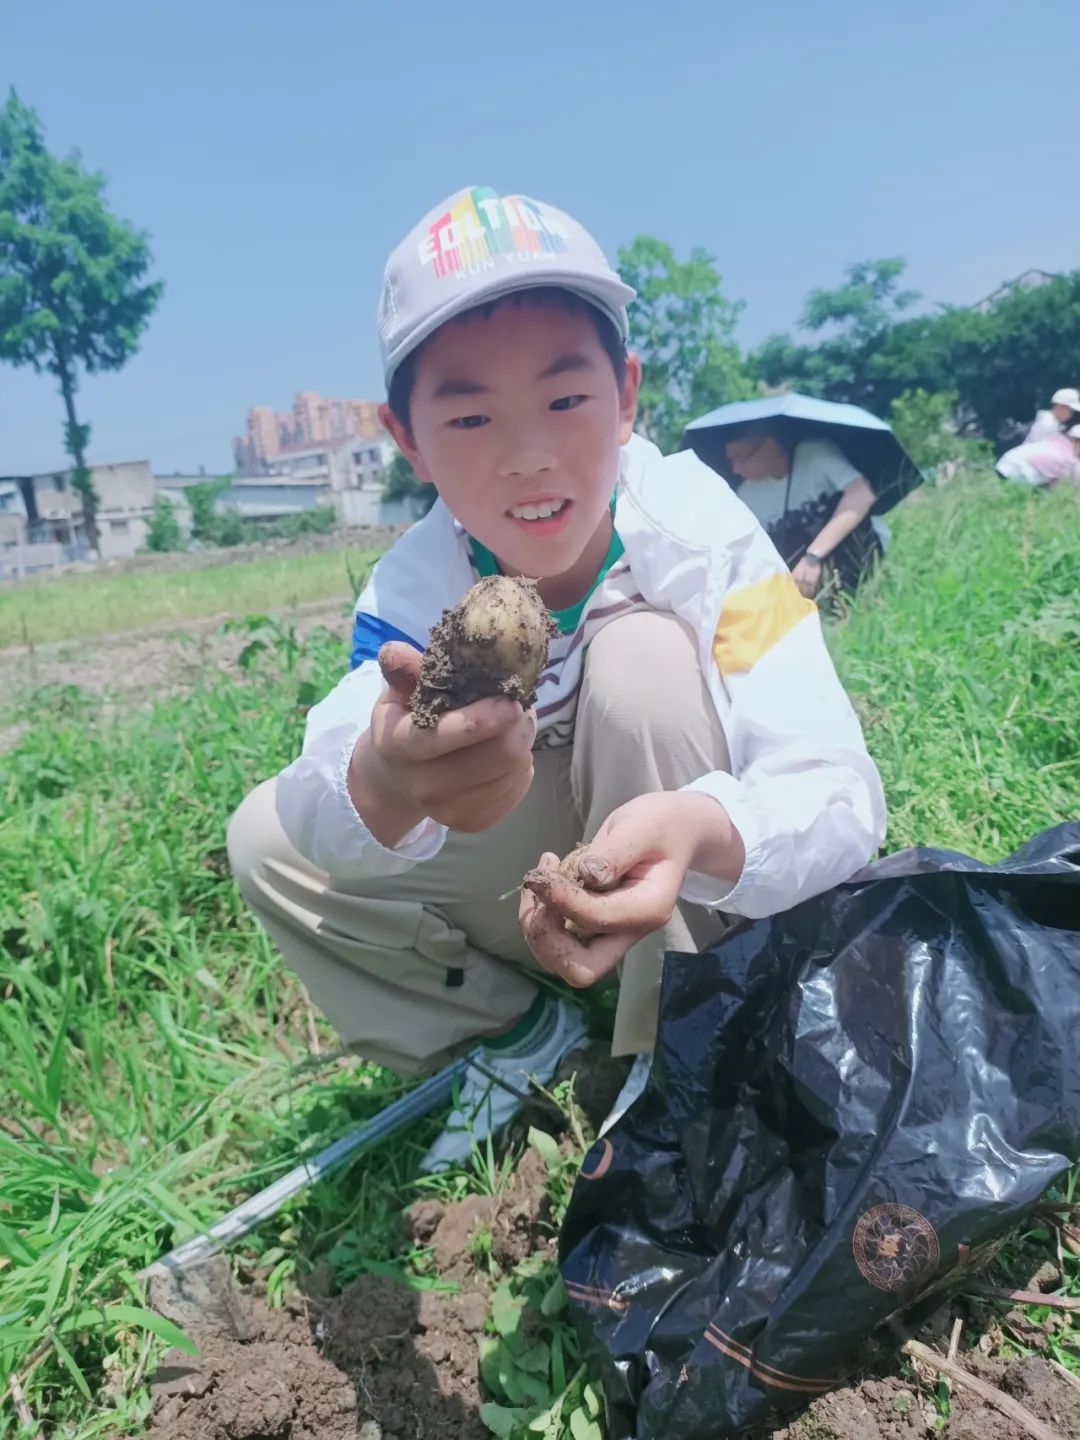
x=517 y=418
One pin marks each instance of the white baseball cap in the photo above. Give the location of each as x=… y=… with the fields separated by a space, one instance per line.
x=1066 y=397
x=479 y=246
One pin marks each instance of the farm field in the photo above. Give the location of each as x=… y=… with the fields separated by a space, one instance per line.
x=161 y=1065
x=143 y=595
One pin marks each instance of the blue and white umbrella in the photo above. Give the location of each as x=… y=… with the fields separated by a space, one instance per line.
x=867 y=441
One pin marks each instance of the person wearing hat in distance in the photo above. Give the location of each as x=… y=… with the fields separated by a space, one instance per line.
x=1064 y=411
x=1074 y=436
x=689 y=726
x=1048 y=454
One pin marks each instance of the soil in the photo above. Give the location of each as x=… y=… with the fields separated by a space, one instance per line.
x=148 y=664
x=892 y=1409
x=512 y=1224
x=493 y=642
x=382 y=1361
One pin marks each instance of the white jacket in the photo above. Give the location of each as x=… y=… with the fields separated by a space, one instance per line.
x=803 y=793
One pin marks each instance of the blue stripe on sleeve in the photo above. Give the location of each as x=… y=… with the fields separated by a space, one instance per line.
x=370 y=634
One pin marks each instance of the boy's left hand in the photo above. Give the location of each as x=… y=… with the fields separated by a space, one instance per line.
x=639 y=858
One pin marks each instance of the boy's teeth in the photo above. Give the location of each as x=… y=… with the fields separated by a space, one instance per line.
x=543 y=511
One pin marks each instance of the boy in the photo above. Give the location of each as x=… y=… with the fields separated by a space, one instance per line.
x=689 y=726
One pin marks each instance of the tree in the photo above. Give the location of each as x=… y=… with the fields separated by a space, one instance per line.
x=925 y=424
x=163 y=529
x=865 y=306
x=1009 y=360
x=203 y=499
x=403 y=483
x=682 y=325
x=855 y=321
x=72 y=287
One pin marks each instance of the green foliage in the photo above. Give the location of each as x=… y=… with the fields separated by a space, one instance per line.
x=320 y=521
x=963 y=657
x=163 y=531
x=402 y=483
x=925 y=425
x=857 y=318
x=72 y=276
x=228 y=528
x=212 y=526
x=530 y=1363
x=865 y=306
x=203 y=499
x=1009 y=360
x=74 y=606
x=1001 y=364
x=156 y=1062
x=682 y=325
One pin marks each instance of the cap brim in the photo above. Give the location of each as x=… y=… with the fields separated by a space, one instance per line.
x=609 y=296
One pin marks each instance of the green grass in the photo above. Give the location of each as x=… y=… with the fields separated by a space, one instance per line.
x=83 y=605
x=155 y=1053
x=963 y=658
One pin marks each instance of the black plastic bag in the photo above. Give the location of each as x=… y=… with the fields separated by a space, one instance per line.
x=850 y=1106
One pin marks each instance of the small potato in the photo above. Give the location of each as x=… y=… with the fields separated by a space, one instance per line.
x=580 y=870
x=493 y=642
x=575 y=867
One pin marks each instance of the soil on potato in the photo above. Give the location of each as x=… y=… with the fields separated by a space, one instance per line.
x=493 y=642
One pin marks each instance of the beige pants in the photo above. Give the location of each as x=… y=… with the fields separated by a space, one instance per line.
x=412 y=969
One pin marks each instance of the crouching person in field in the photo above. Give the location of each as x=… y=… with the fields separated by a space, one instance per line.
x=689 y=725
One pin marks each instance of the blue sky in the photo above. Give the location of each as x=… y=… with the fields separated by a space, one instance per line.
x=276 y=151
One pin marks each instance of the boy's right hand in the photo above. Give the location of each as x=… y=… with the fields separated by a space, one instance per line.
x=468 y=773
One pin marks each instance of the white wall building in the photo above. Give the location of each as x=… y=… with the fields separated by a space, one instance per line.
x=50 y=531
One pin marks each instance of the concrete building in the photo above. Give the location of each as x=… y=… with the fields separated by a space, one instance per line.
x=13 y=537
x=352 y=472
x=53 y=527
x=347 y=475
x=312 y=422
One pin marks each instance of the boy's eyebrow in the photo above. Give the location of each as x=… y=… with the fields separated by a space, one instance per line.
x=572 y=360
x=450 y=388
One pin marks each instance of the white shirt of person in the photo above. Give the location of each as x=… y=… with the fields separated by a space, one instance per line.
x=819 y=471
x=1043 y=427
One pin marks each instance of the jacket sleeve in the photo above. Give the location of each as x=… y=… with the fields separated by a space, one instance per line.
x=803 y=792
x=312 y=794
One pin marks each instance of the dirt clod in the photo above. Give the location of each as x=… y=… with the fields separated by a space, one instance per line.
x=272 y=1386
x=886 y=1409
x=413 y=1359
x=493 y=642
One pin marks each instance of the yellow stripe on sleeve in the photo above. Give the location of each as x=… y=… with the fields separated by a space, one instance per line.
x=756 y=618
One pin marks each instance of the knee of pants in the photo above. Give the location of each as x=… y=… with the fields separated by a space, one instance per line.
x=255 y=837
x=645 y=711
x=643 y=671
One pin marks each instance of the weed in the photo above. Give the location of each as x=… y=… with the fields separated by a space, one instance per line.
x=156 y=1053
x=80 y=605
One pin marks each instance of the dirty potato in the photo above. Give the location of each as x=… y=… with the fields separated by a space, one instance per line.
x=578 y=869
x=493 y=642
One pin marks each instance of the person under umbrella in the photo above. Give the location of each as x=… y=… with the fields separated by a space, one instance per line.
x=811 y=500
x=817 y=474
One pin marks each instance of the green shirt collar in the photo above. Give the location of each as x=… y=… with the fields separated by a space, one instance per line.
x=485 y=564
